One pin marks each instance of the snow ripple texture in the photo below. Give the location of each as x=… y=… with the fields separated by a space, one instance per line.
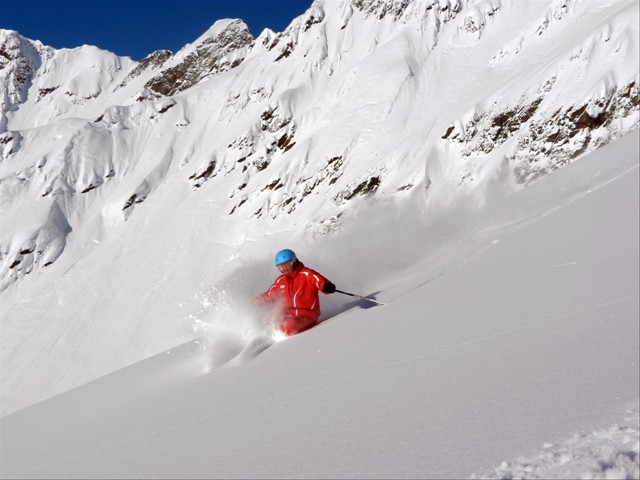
x=607 y=453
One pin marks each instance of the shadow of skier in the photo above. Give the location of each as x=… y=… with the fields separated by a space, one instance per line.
x=361 y=303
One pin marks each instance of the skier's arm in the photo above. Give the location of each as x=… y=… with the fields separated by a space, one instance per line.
x=268 y=296
x=322 y=284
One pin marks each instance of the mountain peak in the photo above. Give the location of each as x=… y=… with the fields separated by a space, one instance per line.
x=222 y=28
x=220 y=48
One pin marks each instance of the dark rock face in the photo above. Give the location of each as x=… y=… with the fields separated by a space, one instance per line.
x=201 y=176
x=12 y=54
x=567 y=133
x=151 y=61
x=545 y=140
x=19 y=61
x=396 y=9
x=213 y=55
x=382 y=8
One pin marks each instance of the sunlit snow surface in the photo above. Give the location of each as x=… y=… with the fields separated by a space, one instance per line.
x=496 y=355
x=118 y=208
x=392 y=155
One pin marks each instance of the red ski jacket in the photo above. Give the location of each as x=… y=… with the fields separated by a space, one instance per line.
x=298 y=291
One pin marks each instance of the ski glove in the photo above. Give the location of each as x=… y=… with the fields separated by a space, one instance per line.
x=328 y=287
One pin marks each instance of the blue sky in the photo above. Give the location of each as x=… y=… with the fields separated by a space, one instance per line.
x=136 y=28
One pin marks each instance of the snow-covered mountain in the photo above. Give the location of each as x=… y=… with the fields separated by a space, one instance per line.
x=354 y=99
x=135 y=196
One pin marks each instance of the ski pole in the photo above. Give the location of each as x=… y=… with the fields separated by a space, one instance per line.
x=360 y=297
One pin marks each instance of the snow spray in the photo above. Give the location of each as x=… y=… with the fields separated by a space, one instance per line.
x=230 y=327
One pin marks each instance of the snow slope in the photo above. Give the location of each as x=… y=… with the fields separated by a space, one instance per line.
x=515 y=329
x=125 y=203
x=436 y=154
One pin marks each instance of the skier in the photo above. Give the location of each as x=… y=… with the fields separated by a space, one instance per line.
x=297 y=288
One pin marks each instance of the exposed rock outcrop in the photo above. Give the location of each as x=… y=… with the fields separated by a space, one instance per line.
x=211 y=55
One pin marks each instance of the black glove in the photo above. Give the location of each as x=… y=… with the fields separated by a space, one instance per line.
x=328 y=287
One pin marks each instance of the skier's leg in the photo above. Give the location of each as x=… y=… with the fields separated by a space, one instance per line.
x=293 y=325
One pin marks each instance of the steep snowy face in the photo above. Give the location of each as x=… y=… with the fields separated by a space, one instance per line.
x=44 y=84
x=585 y=97
x=355 y=99
x=357 y=103
x=41 y=84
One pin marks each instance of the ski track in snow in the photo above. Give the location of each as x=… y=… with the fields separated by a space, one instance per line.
x=517 y=227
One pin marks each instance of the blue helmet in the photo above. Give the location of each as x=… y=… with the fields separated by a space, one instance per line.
x=284 y=256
